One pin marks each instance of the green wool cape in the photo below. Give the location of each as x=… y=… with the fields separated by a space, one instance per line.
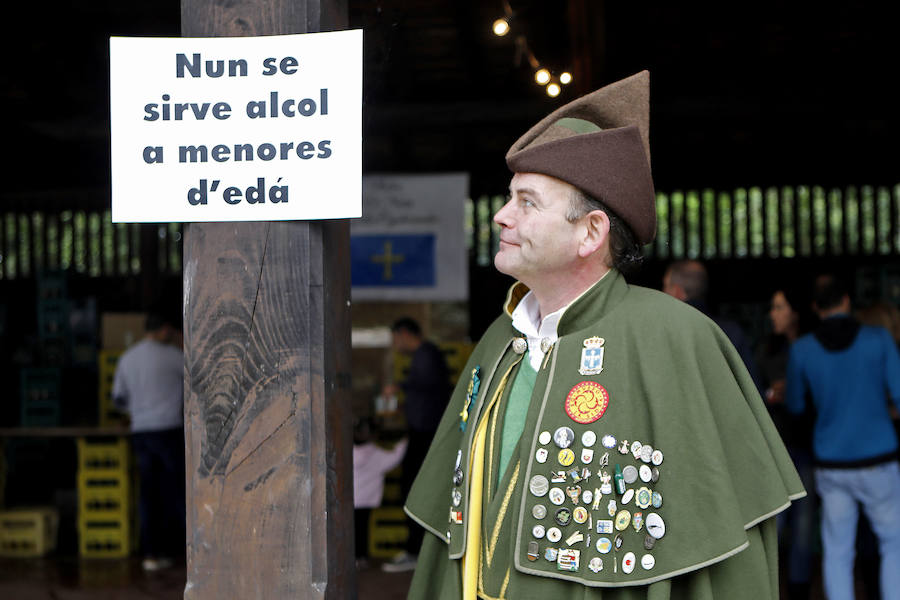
x=672 y=394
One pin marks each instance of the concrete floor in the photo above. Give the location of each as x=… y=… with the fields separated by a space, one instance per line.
x=65 y=578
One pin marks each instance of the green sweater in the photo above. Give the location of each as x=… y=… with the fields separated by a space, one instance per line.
x=673 y=382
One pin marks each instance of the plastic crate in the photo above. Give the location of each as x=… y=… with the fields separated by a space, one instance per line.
x=28 y=533
x=109 y=414
x=104 y=538
x=53 y=318
x=107 y=454
x=387 y=532
x=94 y=484
x=39 y=392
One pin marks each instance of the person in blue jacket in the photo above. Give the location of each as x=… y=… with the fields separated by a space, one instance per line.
x=850 y=371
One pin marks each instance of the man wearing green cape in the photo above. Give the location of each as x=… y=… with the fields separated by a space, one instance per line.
x=606 y=440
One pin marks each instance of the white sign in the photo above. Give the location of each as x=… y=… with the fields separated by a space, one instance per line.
x=236 y=129
x=410 y=243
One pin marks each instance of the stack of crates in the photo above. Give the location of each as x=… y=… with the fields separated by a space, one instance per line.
x=104 y=498
x=53 y=318
x=28 y=532
x=39 y=391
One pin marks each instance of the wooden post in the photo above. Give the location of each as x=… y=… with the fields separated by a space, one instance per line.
x=268 y=423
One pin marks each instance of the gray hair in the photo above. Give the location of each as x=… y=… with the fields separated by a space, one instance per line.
x=624 y=250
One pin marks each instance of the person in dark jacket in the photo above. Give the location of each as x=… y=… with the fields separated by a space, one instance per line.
x=426 y=391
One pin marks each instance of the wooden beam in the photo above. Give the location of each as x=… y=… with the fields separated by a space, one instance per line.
x=268 y=425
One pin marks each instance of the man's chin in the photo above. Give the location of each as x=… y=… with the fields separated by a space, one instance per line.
x=502 y=264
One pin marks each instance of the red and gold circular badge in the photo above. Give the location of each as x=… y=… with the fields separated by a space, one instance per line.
x=587 y=402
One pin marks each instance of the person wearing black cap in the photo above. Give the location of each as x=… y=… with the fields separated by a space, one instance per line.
x=606 y=440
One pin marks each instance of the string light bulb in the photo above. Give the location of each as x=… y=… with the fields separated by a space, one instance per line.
x=565 y=78
x=542 y=76
x=553 y=90
x=501 y=27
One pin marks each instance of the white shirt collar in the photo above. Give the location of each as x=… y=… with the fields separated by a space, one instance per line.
x=526 y=318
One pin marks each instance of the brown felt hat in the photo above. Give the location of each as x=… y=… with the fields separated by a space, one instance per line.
x=600 y=144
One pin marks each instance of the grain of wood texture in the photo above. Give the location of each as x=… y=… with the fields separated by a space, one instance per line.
x=269 y=437
x=267 y=349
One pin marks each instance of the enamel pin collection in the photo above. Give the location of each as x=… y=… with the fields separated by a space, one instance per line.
x=593 y=504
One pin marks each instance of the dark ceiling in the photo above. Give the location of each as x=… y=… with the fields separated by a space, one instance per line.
x=742 y=94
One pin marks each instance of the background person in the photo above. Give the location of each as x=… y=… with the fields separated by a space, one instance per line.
x=847 y=368
x=148 y=385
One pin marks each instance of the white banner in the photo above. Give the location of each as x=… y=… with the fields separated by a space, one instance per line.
x=236 y=129
x=410 y=243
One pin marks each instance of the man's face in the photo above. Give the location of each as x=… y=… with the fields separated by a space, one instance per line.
x=537 y=243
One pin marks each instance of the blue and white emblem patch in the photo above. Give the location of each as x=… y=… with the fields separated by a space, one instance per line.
x=592 y=356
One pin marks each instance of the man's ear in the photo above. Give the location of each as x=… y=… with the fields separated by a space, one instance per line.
x=596 y=233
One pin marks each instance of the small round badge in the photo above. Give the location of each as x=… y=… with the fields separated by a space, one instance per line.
x=544 y=438
x=636 y=449
x=629 y=474
x=627 y=496
x=648 y=562
x=623 y=519
x=646 y=453
x=550 y=554
x=580 y=514
x=457 y=476
x=586 y=402
x=628 y=562
x=539 y=511
x=539 y=485
x=554 y=534
x=538 y=531
x=563 y=437
x=643 y=498
x=645 y=473
x=566 y=457
x=563 y=516
x=587 y=496
x=608 y=441
x=654 y=474
x=456 y=497
x=588 y=438
x=541 y=455
x=604 y=545
x=596 y=564
x=655 y=525
x=656 y=458
x=649 y=542
x=656 y=500
x=557 y=496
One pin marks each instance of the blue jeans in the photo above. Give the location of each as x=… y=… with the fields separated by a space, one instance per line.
x=842 y=491
x=797 y=525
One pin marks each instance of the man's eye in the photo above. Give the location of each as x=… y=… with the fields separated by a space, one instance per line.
x=527 y=202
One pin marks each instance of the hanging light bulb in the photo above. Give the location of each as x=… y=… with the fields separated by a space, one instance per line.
x=565 y=78
x=553 y=90
x=501 y=27
x=542 y=76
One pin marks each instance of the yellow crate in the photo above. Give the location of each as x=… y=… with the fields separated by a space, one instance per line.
x=109 y=454
x=387 y=532
x=104 y=482
x=28 y=532
x=104 y=538
x=109 y=414
x=101 y=503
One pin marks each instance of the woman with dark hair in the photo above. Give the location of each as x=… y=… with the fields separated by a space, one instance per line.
x=797 y=527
